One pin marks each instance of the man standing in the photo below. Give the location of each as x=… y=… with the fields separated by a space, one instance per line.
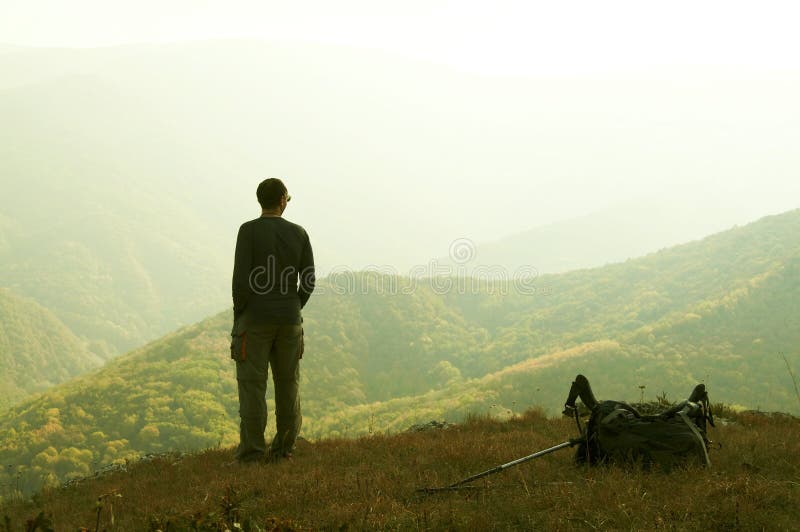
x=273 y=277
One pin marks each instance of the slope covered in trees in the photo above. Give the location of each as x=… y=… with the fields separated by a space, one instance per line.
x=36 y=349
x=385 y=352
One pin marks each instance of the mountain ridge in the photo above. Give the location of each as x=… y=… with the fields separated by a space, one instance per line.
x=700 y=312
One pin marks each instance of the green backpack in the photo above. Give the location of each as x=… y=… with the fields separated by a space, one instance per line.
x=618 y=433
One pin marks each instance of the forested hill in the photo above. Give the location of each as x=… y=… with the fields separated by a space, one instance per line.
x=385 y=352
x=36 y=349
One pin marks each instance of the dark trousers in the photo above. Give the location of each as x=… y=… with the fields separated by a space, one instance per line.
x=269 y=346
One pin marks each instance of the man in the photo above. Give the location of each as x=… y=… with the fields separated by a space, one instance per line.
x=273 y=277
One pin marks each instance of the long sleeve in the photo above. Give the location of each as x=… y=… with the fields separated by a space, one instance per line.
x=307 y=275
x=242 y=264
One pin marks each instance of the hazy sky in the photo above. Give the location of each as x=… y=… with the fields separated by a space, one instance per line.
x=497 y=36
x=718 y=120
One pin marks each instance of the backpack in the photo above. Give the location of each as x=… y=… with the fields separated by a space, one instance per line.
x=618 y=433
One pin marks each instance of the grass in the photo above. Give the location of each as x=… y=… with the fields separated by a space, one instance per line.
x=370 y=484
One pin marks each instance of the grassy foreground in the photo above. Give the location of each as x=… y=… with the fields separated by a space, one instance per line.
x=370 y=484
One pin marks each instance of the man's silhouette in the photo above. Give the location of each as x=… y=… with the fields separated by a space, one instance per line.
x=273 y=277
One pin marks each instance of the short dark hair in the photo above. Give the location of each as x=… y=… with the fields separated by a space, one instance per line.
x=269 y=192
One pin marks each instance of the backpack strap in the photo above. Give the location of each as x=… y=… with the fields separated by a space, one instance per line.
x=683 y=413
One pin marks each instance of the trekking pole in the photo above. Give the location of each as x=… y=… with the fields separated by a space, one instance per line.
x=499 y=468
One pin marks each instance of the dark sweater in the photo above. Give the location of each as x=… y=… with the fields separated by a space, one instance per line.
x=273 y=271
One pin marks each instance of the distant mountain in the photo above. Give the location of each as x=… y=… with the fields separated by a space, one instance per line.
x=384 y=352
x=114 y=276
x=36 y=350
x=117 y=258
x=129 y=169
x=625 y=231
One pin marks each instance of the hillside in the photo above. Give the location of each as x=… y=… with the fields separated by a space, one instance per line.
x=36 y=350
x=370 y=483
x=385 y=352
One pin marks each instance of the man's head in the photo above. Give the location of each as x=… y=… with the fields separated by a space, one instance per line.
x=272 y=194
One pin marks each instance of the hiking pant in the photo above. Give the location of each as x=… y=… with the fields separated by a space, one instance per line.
x=269 y=346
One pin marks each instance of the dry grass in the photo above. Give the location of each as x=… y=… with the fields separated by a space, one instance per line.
x=370 y=483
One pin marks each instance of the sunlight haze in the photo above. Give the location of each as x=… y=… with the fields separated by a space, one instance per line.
x=403 y=127
x=503 y=37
